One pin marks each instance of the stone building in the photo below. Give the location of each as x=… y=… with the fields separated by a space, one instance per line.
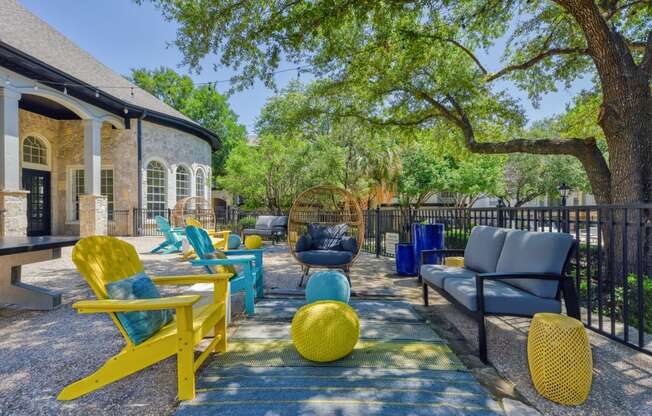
x=80 y=144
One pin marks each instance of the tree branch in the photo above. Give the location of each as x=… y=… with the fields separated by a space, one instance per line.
x=646 y=63
x=464 y=49
x=536 y=59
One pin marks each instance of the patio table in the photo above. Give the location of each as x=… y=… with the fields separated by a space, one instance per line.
x=17 y=251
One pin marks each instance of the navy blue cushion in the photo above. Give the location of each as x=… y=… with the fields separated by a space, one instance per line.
x=304 y=243
x=326 y=237
x=139 y=325
x=349 y=244
x=325 y=257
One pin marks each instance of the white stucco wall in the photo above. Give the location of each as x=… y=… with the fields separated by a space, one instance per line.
x=173 y=148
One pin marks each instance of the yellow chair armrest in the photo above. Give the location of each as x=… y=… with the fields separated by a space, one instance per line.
x=119 y=305
x=190 y=279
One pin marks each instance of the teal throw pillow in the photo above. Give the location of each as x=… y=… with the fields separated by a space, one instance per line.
x=139 y=325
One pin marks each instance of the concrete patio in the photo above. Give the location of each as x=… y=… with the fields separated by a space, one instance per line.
x=44 y=351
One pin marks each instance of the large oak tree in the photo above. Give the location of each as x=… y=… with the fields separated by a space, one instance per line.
x=415 y=62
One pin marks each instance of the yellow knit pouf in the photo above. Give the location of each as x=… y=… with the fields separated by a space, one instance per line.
x=559 y=357
x=253 y=242
x=454 y=261
x=325 y=331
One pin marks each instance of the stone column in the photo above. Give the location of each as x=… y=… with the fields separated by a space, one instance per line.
x=92 y=205
x=13 y=200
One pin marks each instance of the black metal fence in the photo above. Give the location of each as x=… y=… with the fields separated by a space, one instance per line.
x=612 y=267
x=2 y=221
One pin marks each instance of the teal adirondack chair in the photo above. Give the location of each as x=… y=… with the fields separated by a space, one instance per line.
x=172 y=243
x=249 y=280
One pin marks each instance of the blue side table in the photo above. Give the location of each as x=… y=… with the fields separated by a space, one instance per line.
x=427 y=237
x=405 y=262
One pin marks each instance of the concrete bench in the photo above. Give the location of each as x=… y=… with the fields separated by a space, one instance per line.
x=506 y=272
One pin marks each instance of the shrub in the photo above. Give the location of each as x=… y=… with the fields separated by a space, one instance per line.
x=246 y=222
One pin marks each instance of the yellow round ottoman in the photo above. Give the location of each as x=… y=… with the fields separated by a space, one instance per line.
x=253 y=242
x=325 y=331
x=559 y=357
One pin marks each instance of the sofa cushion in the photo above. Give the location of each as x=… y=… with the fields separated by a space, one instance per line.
x=437 y=273
x=303 y=243
x=325 y=257
x=534 y=252
x=349 y=244
x=264 y=222
x=499 y=298
x=326 y=237
x=483 y=248
x=279 y=221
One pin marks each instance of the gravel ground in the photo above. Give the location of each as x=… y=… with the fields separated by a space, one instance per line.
x=42 y=352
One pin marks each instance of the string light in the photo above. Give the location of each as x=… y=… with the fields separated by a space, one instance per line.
x=65 y=90
x=35 y=87
x=126 y=110
x=132 y=92
x=8 y=81
x=97 y=94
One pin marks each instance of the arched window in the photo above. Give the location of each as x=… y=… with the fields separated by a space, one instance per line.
x=156 y=185
x=35 y=152
x=200 y=184
x=183 y=182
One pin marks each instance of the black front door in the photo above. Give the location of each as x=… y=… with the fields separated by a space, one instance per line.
x=37 y=182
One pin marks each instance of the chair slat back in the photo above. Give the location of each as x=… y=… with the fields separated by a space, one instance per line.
x=104 y=259
x=190 y=221
x=164 y=227
x=200 y=241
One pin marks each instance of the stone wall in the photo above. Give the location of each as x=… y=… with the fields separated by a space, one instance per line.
x=66 y=141
x=173 y=148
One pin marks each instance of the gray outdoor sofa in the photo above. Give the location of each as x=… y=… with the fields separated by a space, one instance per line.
x=274 y=227
x=515 y=273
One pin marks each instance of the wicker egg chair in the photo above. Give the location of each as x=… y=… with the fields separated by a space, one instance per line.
x=196 y=207
x=325 y=229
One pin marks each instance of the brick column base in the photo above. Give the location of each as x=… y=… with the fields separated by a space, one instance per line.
x=13 y=213
x=92 y=215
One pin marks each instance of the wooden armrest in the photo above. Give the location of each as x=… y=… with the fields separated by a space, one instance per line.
x=119 y=305
x=190 y=279
x=522 y=275
x=223 y=262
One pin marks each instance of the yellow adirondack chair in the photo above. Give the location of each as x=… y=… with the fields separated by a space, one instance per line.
x=220 y=238
x=102 y=260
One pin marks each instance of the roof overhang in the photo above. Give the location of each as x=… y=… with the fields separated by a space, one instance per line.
x=30 y=67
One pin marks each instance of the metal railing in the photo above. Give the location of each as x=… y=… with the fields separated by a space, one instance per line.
x=2 y=221
x=612 y=267
x=118 y=222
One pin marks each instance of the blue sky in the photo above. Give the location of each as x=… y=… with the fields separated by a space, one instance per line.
x=124 y=35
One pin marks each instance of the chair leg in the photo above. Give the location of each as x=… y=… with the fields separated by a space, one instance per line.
x=221 y=329
x=185 y=356
x=347 y=273
x=260 y=285
x=482 y=339
x=304 y=274
x=425 y=294
x=114 y=369
x=250 y=296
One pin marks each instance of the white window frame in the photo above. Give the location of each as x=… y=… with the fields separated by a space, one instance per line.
x=164 y=185
x=200 y=173
x=188 y=182
x=70 y=203
x=48 y=153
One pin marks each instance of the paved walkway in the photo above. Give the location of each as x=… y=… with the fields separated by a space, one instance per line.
x=399 y=367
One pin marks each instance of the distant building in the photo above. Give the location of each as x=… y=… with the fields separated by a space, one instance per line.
x=79 y=142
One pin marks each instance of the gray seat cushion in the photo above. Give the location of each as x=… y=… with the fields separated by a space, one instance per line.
x=483 y=248
x=499 y=298
x=264 y=222
x=534 y=252
x=437 y=273
x=325 y=257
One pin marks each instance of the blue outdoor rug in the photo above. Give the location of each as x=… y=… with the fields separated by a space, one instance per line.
x=400 y=367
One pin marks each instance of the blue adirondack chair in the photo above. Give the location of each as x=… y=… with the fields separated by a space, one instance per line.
x=249 y=280
x=172 y=243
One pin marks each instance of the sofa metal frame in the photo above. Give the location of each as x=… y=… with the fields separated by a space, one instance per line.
x=566 y=287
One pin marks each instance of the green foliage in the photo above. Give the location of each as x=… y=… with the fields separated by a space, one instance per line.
x=202 y=104
x=246 y=222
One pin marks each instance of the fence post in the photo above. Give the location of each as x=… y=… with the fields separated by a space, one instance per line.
x=378 y=232
x=500 y=213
